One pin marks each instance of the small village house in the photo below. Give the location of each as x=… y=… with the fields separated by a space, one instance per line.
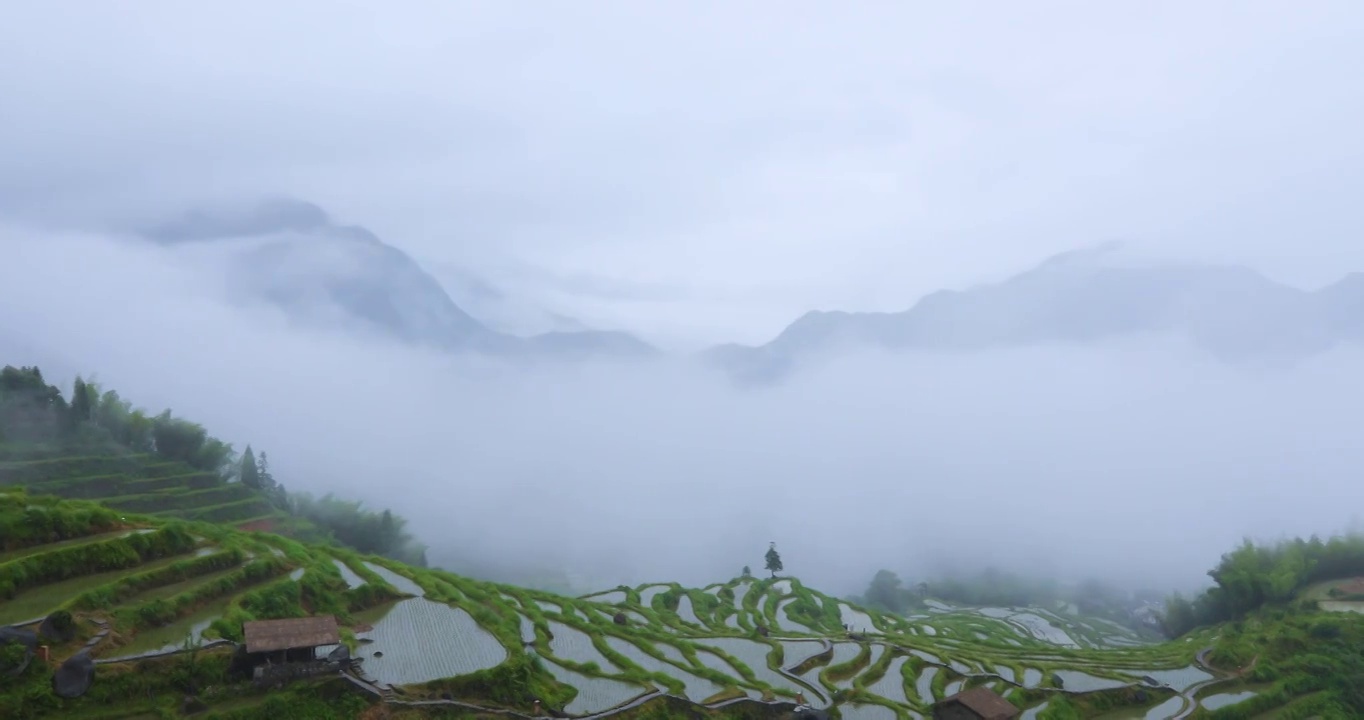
x=274 y=645
x=975 y=704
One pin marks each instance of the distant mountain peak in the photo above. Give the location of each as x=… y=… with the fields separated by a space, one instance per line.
x=302 y=262
x=252 y=219
x=1080 y=297
x=1085 y=256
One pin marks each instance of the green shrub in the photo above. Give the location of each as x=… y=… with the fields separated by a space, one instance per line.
x=115 y=554
x=107 y=595
x=26 y=522
x=44 y=471
x=162 y=611
x=516 y=684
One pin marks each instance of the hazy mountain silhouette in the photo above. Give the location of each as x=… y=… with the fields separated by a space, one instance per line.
x=1081 y=297
x=299 y=260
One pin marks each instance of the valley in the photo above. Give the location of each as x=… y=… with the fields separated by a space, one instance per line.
x=166 y=589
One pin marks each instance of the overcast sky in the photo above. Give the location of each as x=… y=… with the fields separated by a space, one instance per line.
x=1137 y=461
x=711 y=170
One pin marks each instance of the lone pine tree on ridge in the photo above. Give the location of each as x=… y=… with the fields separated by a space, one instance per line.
x=773 y=559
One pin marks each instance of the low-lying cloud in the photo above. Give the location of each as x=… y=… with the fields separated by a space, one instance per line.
x=1139 y=463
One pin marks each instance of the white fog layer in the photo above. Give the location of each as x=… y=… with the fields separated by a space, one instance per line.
x=1137 y=461
x=621 y=291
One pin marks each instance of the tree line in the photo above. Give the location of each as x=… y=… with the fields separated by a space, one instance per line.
x=989 y=587
x=32 y=411
x=992 y=587
x=1246 y=579
x=1253 y=576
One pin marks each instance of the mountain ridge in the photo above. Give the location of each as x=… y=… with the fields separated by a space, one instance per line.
x=304 y=262
x=291 y=254
x=1081 y=297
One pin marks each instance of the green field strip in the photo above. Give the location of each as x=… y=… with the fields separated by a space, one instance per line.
x=237 y=511
x=73 y=542
x=43 y=599
x=182 y=500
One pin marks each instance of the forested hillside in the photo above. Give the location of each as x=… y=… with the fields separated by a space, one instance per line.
x=94 y=444
x=1254 y=576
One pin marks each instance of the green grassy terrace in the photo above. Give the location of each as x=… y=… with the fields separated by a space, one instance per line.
x=156 y=581
x=136 y=483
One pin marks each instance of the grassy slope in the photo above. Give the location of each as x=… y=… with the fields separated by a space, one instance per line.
x=140 y=484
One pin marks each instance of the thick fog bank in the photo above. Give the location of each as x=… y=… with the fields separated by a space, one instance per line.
x=1138 y=463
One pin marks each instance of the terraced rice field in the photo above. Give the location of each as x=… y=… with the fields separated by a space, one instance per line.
x=647 y=593
x=923 y=686
x=716 y=663
x=352 y=580
x=446 y=626
x=402 y=584
x=754 y=654
x=1077 y=681
x=784 y=621
x=138 y=484
x=39 y=601
x=698 y=689
x=891 y=686
x=671 y=653
x=1164 y=710
x=740 y=592
x=595 y=694
x=868 y=712
x=855 y=619
x=845 y=652
x=174 y=635
x=1221 y=700
x=797 y=651
x=1180 y=679
x=419 y=640
x=62 y=545
x=685 y=611
x=576 y=646
x=1005 y=672
x=610 y=597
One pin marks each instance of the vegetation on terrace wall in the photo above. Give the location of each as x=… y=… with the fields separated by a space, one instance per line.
x=318 y=701
x=158 y=688
x=107 y=595
x=1253 y=576
x=96 y=421
x=27 y=522
x=88 y=559
x=1296 y=652
x=162 y=611
x=516 y=683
